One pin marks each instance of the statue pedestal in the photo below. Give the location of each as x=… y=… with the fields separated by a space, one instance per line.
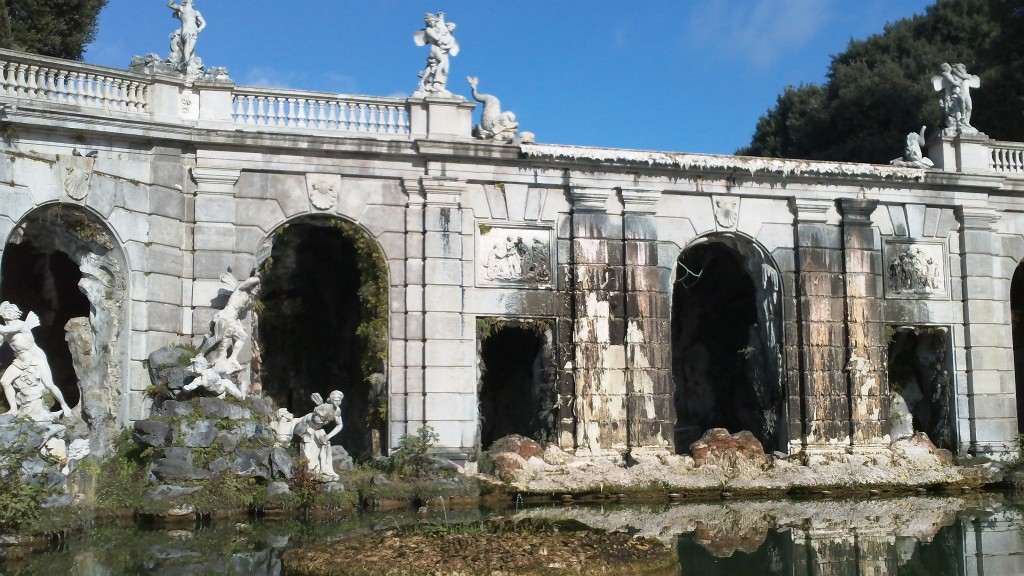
x=961 y=153
x=437 y=117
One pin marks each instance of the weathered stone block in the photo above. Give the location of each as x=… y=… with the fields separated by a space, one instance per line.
x=198 y=434
x=217 y=408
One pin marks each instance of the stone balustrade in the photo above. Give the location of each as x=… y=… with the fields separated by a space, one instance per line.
x=335 y=112
x=1007 y=157
x=36 y=77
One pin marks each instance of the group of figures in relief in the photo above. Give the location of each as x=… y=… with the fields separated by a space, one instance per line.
x=514 y=260
x=913 y=271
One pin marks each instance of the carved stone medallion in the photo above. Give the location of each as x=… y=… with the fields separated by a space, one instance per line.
x=509 y=255
x=727 y=211
x=323 y=190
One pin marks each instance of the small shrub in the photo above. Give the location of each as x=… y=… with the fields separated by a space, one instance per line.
x=305 y=485
x=412 y=457
x=20 y=503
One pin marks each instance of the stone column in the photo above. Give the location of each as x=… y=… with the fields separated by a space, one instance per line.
x=988 y=403
x=820 y=313
x=865 y=333
x=648 y=338
x=599 y=359
x=449 y=353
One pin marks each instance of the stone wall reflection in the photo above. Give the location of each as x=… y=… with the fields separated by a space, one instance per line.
x=916 y=535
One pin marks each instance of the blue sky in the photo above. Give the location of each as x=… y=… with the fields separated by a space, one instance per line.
x=673 y=75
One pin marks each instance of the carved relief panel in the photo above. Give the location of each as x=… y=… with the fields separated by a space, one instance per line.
x=512 y=255
x=915 y=270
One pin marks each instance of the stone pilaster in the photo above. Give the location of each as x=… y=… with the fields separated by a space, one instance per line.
x=213 y=244
x=599 y=358
x=407 y=354
x=648 y=338
x=990 y=389
x=820 y=312
x=449 y=353
x=865 y=334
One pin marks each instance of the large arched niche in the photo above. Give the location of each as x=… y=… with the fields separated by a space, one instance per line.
x=726 y=341
x=321 y=324
x=64 y=264
x=1017 y=323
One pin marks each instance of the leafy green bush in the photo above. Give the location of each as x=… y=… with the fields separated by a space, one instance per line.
x=412 y=457
x=20 y=503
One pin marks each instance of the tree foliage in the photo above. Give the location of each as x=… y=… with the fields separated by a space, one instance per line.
x=879 y=89
x=60 y=28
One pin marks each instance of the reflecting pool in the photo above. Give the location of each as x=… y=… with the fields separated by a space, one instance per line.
x=933 y=536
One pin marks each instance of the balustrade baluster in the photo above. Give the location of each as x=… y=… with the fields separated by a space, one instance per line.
x=92 y=98
x=48 y=76
x=261 y=116
x=60 y=84
x=106 y=93
x=20 y=82
x=141 y=96
x=332 y=115
x=361 y=126
x=9 y=74
x=321 y=117
x=131 y=104
x=391 y=127
x=378 y=120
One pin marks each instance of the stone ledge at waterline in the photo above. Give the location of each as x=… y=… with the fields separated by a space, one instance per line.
x=724 y=463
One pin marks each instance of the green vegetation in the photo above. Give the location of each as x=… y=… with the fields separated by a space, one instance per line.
x=879 y=89
x=59 y=28
x=20 y=503
x=413 y=455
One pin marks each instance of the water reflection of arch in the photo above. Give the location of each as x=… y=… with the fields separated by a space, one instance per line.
x=727 y=361
x=67 y=264
x=322 y=322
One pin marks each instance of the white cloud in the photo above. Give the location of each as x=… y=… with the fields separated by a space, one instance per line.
x=265 y=77
x=761 y=32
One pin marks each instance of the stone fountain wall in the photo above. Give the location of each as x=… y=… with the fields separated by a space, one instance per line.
x=584 y=240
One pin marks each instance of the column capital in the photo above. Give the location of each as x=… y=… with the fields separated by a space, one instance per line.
x=442 y=191
x=586 y=199
x=857 y=210
x=978 y=217
x=215 y=180
x=811 y=209
x=640 y=200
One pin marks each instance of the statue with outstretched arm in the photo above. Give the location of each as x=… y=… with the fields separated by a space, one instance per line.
x=25 y=380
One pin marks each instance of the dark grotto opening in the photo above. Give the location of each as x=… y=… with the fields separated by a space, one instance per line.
x=1017 y=321
x=725 y=360
x=515 y=380
x=45 y=282
x=322 y=326
x=920 y=373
